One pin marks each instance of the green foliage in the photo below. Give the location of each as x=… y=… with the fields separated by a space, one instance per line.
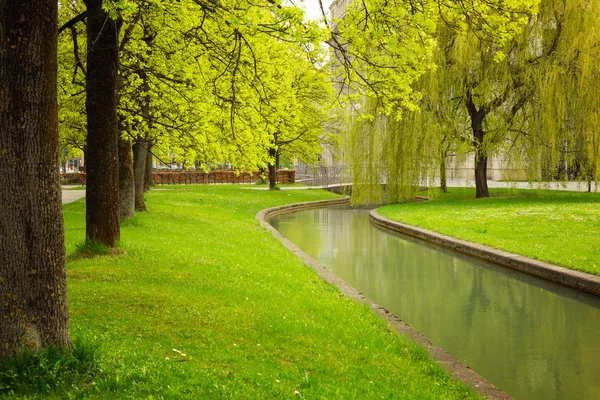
x=300 y=101
x=206 y=304
x=406 y=80
x=71 y=80
x=510 y=78
x=563 y=135
x=51 y=370
x=208 y=83
x=558 y=227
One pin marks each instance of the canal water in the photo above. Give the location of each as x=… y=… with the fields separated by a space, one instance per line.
x=532 y=338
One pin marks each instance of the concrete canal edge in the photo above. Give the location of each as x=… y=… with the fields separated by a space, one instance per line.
x=564 y=276
x=457 y=370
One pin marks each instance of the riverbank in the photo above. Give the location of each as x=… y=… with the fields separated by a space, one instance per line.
x=561 y=228
x=202 y=302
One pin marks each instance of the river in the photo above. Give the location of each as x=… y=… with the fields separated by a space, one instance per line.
x=532 y=338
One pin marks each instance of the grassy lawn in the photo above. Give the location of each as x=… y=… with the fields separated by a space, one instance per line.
x=558 y=227
x=298 y=184
x=204 y=303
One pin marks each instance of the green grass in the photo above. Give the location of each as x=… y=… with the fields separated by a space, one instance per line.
x=49 y=369
x=201 y=302
x=555 y=226
x=298 y=184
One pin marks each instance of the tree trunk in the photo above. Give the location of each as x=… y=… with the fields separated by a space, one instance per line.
x=33 y=279
x=443 y=183
x=102 y=192
x=272 y=169
x=145 y=161
x=148 y=179
x=481 y=187
x=126 y=183
x=139 y=171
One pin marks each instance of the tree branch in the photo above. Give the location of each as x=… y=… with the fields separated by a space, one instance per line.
x=73 y=22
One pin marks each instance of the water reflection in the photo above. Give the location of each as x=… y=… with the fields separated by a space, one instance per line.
x=532 y=338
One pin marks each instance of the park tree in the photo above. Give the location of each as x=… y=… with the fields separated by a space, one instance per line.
x=99 y=82
x=558 y=132
x=486 y=78
x=383 y=66
x=296 y=107
x=525 y=98
x=33 y=283
x=159 y=93
x=102 y=164
x=183 y=77
x=207 y=87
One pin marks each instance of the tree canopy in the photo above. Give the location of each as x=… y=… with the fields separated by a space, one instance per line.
x=514 y=78
x=196 y=76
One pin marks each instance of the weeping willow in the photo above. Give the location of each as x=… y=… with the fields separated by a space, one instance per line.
x=532 y=101
x=390 y=158
x=563 y=140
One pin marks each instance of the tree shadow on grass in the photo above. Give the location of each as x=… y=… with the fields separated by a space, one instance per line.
x=93 y=249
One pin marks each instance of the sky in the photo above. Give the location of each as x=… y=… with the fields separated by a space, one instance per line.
x=312 y=8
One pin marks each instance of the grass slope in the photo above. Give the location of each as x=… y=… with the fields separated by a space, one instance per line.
x=204 y=303
x=558 y=227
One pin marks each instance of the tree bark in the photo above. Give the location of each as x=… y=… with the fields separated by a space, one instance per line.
x=33 y=281
x=148 y=180
x=443 y=183
x=126 y=183
x=481 y=187
x=102 y=192
x=272 y=169
x=477 y=117
x=139 y=171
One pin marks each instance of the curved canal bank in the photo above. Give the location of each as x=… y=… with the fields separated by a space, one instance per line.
x=533 y=338
x=456 y=369
x=564 y=276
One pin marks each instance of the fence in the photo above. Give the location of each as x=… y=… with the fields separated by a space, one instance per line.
x=322 y=175
x=326 y=176
x=211 y=177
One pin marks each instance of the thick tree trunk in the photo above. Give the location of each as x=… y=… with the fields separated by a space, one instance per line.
x=148 y=179
x=272 y=169
x=481 y=187
x=443 y=183
x=102 y=193
x=126 y=183
x=33 y=280
x=139 y=171
x=144 y=159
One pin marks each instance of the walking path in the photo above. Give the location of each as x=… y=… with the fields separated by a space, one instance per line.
x=69 y=196
x=570 y=186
